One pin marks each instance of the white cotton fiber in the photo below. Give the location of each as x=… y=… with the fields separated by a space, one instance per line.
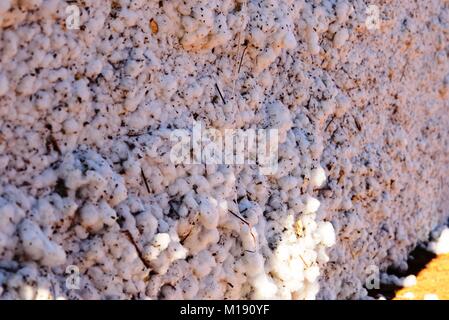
x=441 y=244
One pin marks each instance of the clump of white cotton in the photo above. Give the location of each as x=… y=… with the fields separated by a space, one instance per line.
x=409 y=281
x=440 y=244
x=38 y=246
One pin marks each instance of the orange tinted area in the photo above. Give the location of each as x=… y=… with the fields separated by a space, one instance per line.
x=433 y=279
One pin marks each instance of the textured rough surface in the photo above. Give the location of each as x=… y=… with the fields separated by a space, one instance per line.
x=86 y=181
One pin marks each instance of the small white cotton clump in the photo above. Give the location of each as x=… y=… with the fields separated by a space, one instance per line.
x=327 y=233
x=71 y=126
x=342 y=10
x=91 y=218
x=254 y=263
x=340 y=37
x=264 y=287
x=129 y=17
x=38 y=247
x=169 y=85
x=94 y=68
x=265 y=59
x=312 y=205
x=409 y=281
x=43 y=100
x=441 y=244
x=82 y=90
x=279 y=117
x=208 y=213
x=318 y=177
x=203 y=263
x=26 y=85
x=343 y=104
x=147 y=224
x=159 y=243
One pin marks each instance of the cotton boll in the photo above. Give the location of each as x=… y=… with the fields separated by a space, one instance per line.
x=247 y=235
x=279 y=118
x=312 y=205
x=82 y=90
x=265 y=59
x=342 y=10
x=161 y=241
x=94 y=68
x=327 y=233
x=264 y=287
x=318 y=177
x=176 y=251
x=208 y=213
x=38 y=247
x=189 y=287
x=200 y=238
x=409 y=281
x=203 y=263
x=169 y=85
x=71 y=126
x=26 y=85
x=119 y=194
x=43 y=100
x=129 y=17
x=91 y=218
x=441 y=245
x=147 y=224
x=254 y=263
x=32 y=239
x=109 y=215
x=343 y=104
x=341 y=37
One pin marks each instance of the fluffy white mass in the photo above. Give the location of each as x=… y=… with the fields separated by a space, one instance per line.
x=86 y=115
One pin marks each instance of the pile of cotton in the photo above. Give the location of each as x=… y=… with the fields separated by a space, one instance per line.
x=92 y=205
